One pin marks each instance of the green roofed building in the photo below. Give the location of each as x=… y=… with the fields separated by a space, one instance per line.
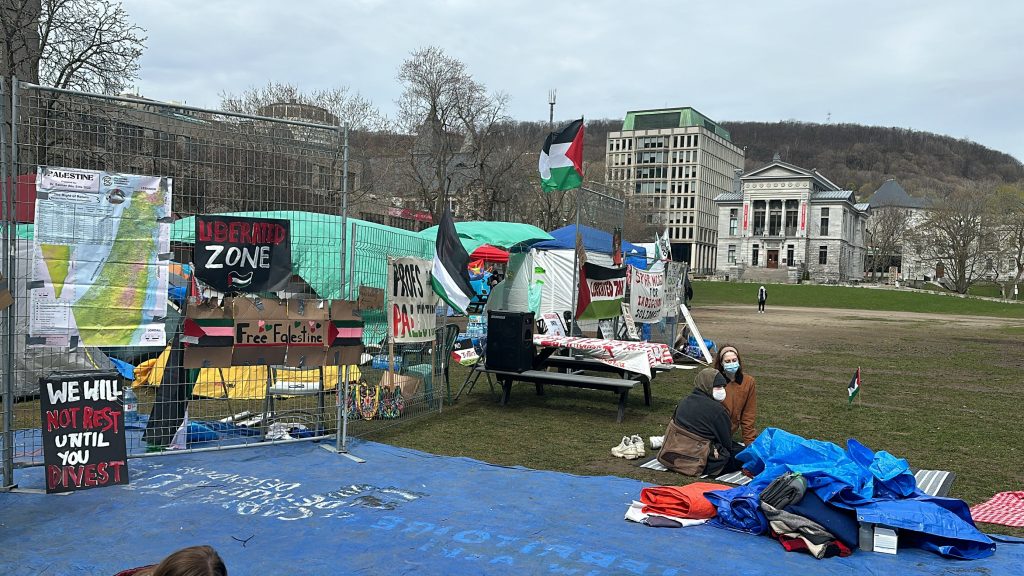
x=671 y=163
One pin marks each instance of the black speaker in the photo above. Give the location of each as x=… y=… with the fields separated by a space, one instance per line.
x=510 y=340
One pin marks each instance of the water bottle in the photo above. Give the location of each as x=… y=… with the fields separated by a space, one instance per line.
x=131 y=406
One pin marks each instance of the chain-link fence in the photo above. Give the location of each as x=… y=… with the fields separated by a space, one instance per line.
x=89 y=278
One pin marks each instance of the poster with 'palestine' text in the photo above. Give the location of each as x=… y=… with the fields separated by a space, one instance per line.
x=101 y=250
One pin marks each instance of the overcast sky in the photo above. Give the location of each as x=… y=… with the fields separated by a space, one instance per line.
x=950 y=67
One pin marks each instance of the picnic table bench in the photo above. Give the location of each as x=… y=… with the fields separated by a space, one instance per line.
x=573 y=365
x=542 y=377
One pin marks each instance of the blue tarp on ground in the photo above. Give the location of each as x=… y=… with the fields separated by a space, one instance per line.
x=298 y=509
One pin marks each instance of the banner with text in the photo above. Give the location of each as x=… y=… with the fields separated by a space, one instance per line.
x=412 y=302
x=601 y=291
x=83 y=431
x=646 y=295
x=235 y=254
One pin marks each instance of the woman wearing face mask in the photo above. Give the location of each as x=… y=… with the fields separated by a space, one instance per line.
x=702 y=413
x=740 y=393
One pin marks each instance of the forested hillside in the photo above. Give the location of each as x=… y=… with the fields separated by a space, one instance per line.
x=856 y=157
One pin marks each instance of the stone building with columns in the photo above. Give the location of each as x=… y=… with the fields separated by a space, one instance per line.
x=783 y=223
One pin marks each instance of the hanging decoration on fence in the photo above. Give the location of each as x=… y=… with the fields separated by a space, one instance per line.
x=83 y=431
x=235 y=254
x=412 y=303
x=101 y=250
x=646 y=295
x=601 y=291
x=255 y=331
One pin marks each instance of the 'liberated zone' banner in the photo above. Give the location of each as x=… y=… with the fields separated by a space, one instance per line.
x=236 y=254
x=646 y=293
x=412 y=303
x=601 y=292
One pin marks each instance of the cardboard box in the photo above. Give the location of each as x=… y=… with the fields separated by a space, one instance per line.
x=885 y=540
x=344 y=355
x=410 y=385
x=207 y=357
x=370 y=298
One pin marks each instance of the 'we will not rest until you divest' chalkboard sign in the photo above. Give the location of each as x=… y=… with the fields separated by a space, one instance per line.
x=83 y=431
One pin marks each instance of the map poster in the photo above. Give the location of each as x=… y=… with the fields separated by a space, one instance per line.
x=235 y=254
x=412 y=303
x=102 y=246
x=646 y=295
x=83 y=431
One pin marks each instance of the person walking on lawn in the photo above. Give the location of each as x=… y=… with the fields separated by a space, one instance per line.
x=762 y=297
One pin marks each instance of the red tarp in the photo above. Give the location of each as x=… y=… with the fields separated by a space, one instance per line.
x=24 y=198
x=490 y=254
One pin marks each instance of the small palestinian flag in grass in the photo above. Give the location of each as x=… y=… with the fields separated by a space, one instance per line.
x=561 y=159
x=854 y=386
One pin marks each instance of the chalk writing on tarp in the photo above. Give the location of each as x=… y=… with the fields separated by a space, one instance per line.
x=412 y=303
x=83 y=431
x=235 y=254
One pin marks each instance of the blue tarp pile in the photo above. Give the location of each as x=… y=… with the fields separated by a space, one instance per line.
x=879 y=487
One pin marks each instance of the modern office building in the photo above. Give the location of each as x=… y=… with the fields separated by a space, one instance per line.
x=671 y=163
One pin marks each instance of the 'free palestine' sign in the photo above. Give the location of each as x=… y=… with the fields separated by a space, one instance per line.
x=83 y=431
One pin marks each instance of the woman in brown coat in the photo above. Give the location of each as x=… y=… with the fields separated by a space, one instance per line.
x=740 y=392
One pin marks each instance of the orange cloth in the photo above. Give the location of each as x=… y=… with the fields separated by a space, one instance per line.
x=681 y=501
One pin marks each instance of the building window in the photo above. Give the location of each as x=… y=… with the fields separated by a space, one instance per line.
x=824 y=222
x=733 y=224
x=822 y=254
x=775 y=218
x=753 y=256
x=732 y=254
x=789 y=255
x=792 y=210
x=759 y=209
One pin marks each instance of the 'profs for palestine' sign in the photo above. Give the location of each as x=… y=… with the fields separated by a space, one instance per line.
x=83 y=431
x=235 y=254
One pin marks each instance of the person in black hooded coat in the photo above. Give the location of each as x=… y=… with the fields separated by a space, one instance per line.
x=702 y=413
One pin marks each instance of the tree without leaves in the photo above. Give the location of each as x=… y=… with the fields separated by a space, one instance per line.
x=1008 y=207
x=454 y=118
x=957 y=234
x=886 y=228
x=344 y=104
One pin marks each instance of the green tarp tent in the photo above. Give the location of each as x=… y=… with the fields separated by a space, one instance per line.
x=503 y=235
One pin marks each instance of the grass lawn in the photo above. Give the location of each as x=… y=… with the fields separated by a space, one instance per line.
x=818 y=296
x=943 y=392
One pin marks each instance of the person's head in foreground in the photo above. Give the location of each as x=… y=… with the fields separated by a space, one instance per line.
x=192 y=561
x=728 y=362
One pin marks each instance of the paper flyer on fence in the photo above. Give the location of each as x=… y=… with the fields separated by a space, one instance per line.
x=100 y=261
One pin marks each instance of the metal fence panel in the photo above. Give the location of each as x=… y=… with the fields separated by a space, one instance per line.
x=219 y=163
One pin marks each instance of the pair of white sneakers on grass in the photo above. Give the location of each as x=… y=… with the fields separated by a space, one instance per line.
x=631 y=448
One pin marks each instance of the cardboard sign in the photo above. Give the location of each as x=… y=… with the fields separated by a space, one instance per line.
x=209 y=332
x=370 y=298
x=412 y=304
x=5 y=294
x=553 y=324
x=83 y=431
x=235 y=254
x=646 y=295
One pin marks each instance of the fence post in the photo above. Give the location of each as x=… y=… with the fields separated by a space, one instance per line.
x=10 y=227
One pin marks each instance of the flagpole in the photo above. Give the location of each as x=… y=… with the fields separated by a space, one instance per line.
x=576 y=266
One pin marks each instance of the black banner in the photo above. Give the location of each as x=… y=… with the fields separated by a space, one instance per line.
x=83 y=431
x=235 y=254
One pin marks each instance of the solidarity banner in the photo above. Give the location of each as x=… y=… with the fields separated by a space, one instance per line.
x=601 y=292
x=412 y=303
x=646 y=295
x=235 y=254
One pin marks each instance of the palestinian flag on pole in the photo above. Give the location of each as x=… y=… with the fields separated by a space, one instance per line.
x=561 y=160
x=450 y=274
x=601 y=292
x=854 y=386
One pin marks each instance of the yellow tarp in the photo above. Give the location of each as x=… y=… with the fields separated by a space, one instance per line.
x=241 y=382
